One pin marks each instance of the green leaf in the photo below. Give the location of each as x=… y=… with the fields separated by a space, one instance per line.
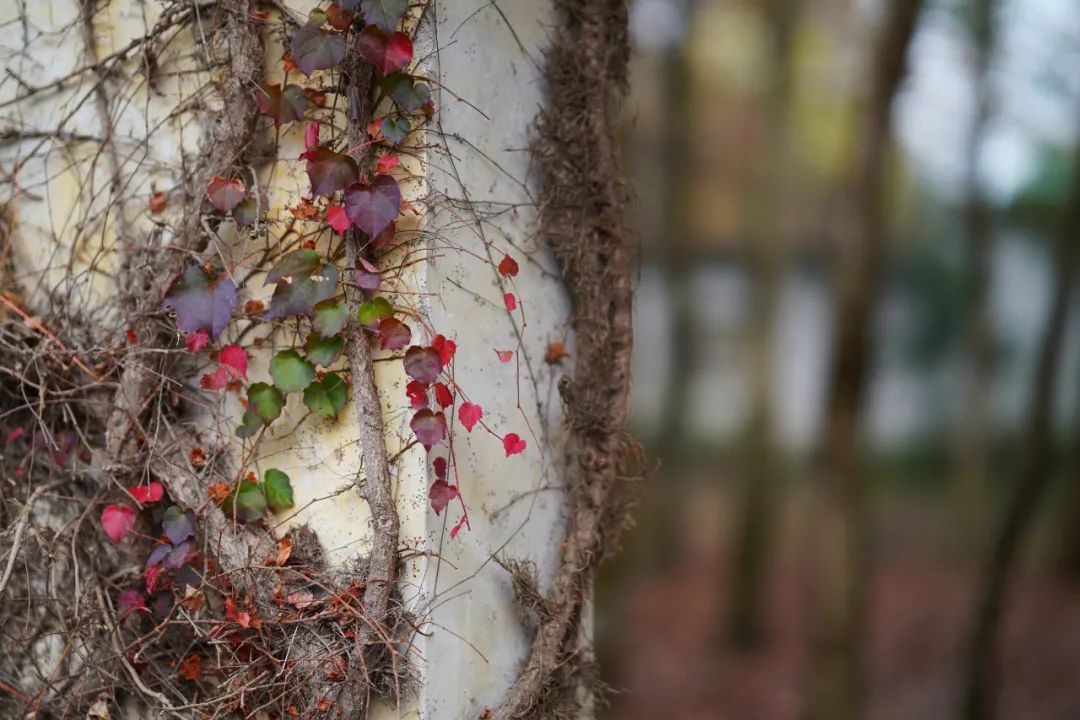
x=248 y=502
x=291 y=372
x=323 y=351
x=408 y=95
x=278 y=489
x=265 y=401
x=396 y=129
x=328 y=396
x=302 y=282
x=329 y=317
x=249 y=425
x=373 y=311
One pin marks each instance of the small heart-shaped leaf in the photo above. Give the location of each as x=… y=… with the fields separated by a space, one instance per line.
x=265 y=401
x=313 y=49
x=373 y=207
x=393 y=334
x=291 y=373
x=329 y=317
x=441 y=494
x=422 y=363
x=327 y=396
x=383 y=13
x=117 y=521
x=387 y=52
x=329 y=171
x=375 y=310
x=224 y=194
x=408 y=95
x=278 y=489
x=178 y=525
x=430 y=427
x=323 y=351
x=396 y=129
x=201 y=301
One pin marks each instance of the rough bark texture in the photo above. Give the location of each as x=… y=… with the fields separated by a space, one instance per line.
x=582 y=217
x=1034 y=474
x=837 y=688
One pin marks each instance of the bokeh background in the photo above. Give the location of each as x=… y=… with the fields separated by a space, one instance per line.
x=759 y=138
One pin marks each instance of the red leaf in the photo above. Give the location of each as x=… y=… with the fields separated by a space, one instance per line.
x=505 y=355
x=388 y=53
x=335 y=215
x=393 y=334
x=386 y=163
x=440 y=494
x=311 y=136
x=147 y=493
x=158 y=202
x=456 y=529
x=338 y=18
x=215 y=380
x=470 y=414
x=430 y=427
x=508 y=267
x=422 y=363
x=513 y=444
x=443 y=396
x=300 y=599
x=225 y=194
x=446 y=349
x=130 y=601
x=234 y=360
x=417 y=393
x=191 y=667
x=439 y=464
x=510 y=301
x=196 y=341
x=14 y=435
x=117 y=521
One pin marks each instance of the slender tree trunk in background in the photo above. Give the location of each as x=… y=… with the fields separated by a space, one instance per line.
x=1070 y=536
x=975 y=424
x=1034 y=475
x=836 y=689
x=675 y=260
x=760 y=471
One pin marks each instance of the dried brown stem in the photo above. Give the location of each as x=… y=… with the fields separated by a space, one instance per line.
x=582 y=218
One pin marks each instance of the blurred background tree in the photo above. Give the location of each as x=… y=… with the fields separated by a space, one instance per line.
x=857 y=362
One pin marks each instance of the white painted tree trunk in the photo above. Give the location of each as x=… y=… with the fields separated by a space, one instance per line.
x=60 y=150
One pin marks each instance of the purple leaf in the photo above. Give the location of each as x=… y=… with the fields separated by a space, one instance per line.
x=373 y=207
x=422 y=363
x=201 y=301
x=430 y=427
x=178 y=525
x=302 y=282
x=313 y=49
x=329 y=171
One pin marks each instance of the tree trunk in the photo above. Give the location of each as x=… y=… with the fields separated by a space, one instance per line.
x=976 y=422
x=836 y=691
x=1033 y=478
x=769 y=251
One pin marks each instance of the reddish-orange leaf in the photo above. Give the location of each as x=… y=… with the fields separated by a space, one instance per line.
x=158 y=202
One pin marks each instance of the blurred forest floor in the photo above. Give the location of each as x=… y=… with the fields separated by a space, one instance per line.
x=663 y=631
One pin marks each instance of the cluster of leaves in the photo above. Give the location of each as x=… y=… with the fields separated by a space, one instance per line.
x=307 y=285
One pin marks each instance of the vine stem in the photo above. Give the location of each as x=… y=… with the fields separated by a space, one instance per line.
x=358 y=77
